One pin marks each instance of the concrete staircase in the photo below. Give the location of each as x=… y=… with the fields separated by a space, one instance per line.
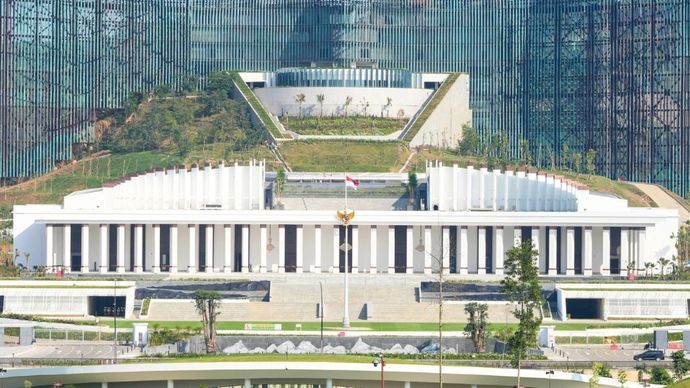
x=294 y=298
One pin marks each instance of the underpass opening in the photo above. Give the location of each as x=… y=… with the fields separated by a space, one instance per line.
x=105 y=306
x=584 y=308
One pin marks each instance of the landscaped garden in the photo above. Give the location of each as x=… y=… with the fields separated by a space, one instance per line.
x=352 y=125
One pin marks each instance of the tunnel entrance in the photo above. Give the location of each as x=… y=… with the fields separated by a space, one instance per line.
x=585 y=308
x=102 y=306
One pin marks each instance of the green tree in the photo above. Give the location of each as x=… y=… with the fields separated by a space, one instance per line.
x=189 y=84
x=622 y=378
x=663 y=262
x=591 y=158
x=681 y=365
x=682 y=243
x=28 y=384
x=577 y=163
x=280 y=183
x=477 y=324
x=602 y=369
x=207 y=304
x=594 y=379
x=387 y=107
x=521 y=285
x=565 y=156
x=299 y=99
x=320 y=98
x=525 y=153
x=162 y=91
x=348 y=101
x=220 y=81
x=469 y=144
x=412 y=186
x=660 y=376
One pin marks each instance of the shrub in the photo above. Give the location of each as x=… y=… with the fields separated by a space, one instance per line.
x=660 y=376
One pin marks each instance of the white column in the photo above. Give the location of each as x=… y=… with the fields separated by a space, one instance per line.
x=173 y=248
x=543 y=254
x=391 y=249
x=192 y=265
x=50 y=254
x=171 y=384
x=605 y=252
x=228 y=244
x=209 y=248
x=535 y=244
x=104 y=248
x=156 y=248
x=372 y=255
x=317 y=248
x=464 y=251
x=587 y=251
x=247 y=383
x=445 y=254
x=120 y=248
x=468 y=185
x=517 y=236
x=409 y=251
x=139 y=248
x=642 y=254
x=625 y=252
x=245 y=248
x=499 y=251
x=481 y=250
x=85 y=256
x=355 y=248
x=570 y=251
x=299 y=248
x=67 y=247
x=281 y=248
x=335 y=267
x=427 y=249
x=262 y=249
x=553 y=251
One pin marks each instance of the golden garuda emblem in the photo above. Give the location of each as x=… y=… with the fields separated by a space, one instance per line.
x=346 y=216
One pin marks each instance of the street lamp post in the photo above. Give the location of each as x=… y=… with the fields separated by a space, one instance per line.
x=115 y=321
x=346 y=216
x=549 y=373
x=380 y=360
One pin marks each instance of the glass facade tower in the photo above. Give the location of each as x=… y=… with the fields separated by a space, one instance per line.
x=612 y=75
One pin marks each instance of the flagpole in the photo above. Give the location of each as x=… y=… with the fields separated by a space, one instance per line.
x=346 y=296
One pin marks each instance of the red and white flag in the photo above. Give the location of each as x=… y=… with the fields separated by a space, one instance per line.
x=350 y=182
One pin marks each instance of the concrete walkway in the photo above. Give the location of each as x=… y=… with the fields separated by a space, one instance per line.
x=663 y=200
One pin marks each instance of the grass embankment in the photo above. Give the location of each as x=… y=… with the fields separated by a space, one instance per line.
x=431 y=106
x=353 y=125
x=680 y=384
x=257 y=106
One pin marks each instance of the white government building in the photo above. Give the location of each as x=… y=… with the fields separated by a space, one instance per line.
x=226 y=218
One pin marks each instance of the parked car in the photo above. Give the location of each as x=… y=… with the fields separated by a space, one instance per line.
x=650 y=355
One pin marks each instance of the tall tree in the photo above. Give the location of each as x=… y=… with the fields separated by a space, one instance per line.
x=280 y=183
x=348 y=101
x=681 y=365
x=299 y=99
x=468 y=145
x=591 y=157
x=663 y=262
x=521 y=285
x=207 y=304
x=412 y=186
x=477 y=324
x=525 y=153
x=320 y=98
x=577 y=163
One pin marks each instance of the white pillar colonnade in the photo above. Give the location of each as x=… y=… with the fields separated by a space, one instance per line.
x=582 y=250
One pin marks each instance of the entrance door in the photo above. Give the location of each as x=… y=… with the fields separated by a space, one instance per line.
x=342 y=251
x=75 y=246
x=290 y=248
x=400 y=249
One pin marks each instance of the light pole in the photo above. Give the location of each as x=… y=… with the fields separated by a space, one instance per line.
x=380 y=360
x=346 y=216
x=115 y=321
x=321 y=314
x=549 y=373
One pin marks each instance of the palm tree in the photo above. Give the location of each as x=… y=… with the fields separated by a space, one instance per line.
x=320 y=98
x=299 y=99
x=348 y=101
x=387 y=107
x=651 y=267
x=663 y=262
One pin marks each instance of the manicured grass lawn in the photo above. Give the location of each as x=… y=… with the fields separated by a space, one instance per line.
x=373 y=326
x=680 y=384
x=351 y=156
x=353 y=125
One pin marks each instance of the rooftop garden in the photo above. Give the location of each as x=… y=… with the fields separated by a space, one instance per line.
x=352 y=125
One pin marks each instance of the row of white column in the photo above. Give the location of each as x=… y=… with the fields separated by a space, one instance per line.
x=632 y=246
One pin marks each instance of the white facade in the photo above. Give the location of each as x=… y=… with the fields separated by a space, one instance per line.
x=217 y=220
